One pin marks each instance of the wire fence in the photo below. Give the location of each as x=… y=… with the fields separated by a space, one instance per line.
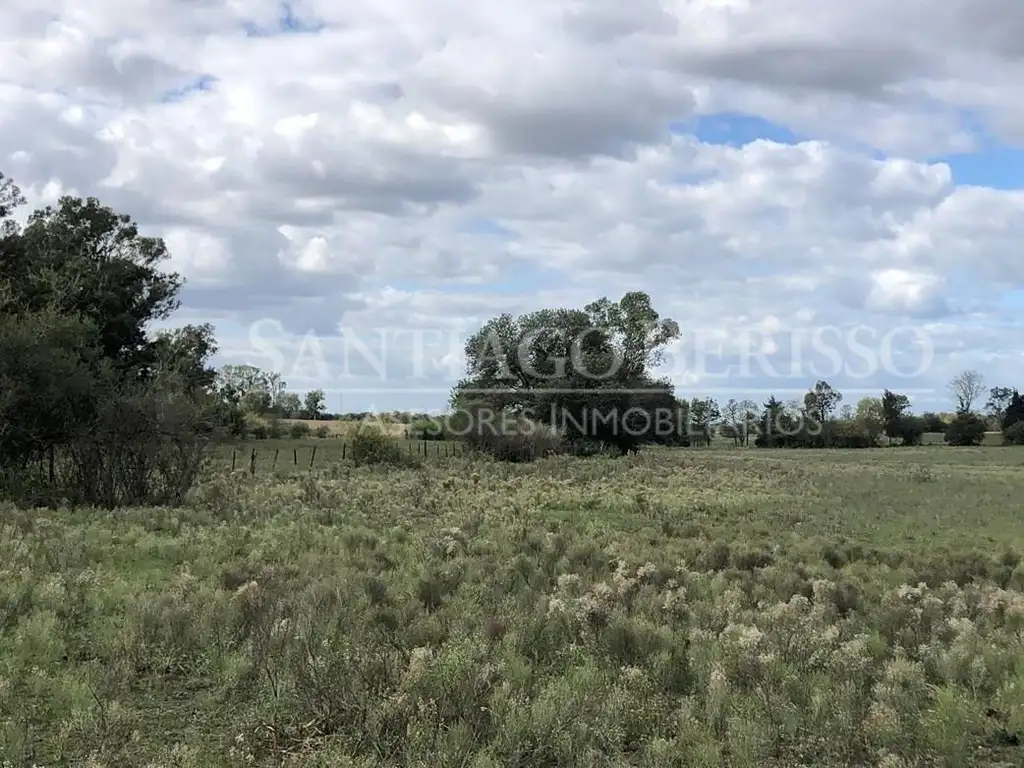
x=256 y=458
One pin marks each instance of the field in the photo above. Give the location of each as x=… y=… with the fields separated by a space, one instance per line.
x=286 y=454
x=676 y=608
x=338 y=428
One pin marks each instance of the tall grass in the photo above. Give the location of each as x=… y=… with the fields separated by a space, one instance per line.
x=711 y=608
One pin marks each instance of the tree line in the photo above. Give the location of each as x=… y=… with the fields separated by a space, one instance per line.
x=541 y=364
x=96 y=407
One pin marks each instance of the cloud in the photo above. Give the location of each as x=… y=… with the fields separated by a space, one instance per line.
x=422 y=168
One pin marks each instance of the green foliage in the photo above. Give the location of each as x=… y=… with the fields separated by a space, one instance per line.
x=870 y=417
x=719 y=610
x=852 y=434
x=369 y=446
x=313 y=404
x=275 y=428
x=94 y=408
x=933 y=422
x=427 y=429
x=910 y=430
x=894 y=408
x=999 y=399
x=1014 y=434
x=1013 y=412
x=703 y=415
x=298 y=430
x=821 y=402
x=584 y=372
x=511 y=439
x=966 y=429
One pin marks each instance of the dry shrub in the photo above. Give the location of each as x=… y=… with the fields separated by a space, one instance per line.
x=504 y=437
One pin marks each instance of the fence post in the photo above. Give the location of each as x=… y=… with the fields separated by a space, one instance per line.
x=312 y=456
x=344 y=446
x=295 y=456
x=276 y=451
x=233 y=457
x=252 y=462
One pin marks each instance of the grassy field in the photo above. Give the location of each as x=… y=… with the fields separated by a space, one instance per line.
x=338 y=428
x=677 y=608
x=286 y=455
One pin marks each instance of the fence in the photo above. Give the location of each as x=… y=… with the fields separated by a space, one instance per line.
x=327 y=450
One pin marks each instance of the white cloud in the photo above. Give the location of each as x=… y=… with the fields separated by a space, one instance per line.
x=354 y=175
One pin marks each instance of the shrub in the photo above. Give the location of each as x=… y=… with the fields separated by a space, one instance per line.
x=966 y=429
x=506 y=438
x=323 y=431
x=275 y=429
x=369 y=445
x=517 y=446
x=1014 y=434
x=932 y=422
x=910 y=430
x=847 y=434
x=426 y=429
x=298 y=430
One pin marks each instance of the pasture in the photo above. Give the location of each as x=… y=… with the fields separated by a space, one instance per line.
x=714 y=607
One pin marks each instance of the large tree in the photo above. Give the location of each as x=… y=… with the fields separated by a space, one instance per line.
x=587 y=372
x=821 y=402
x=82 y=373
x=966 y=387
x=894 y=406
x=998 y=400
x=870 y=417
x=1013 y=413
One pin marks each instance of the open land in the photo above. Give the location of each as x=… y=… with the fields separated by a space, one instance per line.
x=677 y=608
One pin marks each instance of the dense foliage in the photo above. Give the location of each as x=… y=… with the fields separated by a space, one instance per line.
x=94 y=407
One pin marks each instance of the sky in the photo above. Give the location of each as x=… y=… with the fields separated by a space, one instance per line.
x=810 y=189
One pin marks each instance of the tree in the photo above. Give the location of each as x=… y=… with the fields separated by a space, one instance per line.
x=735 y=421
x=932 y=422
x=82 y=258
x=259 y=392
x=585 y=372
x=778 y=425
x=123 y=415
x=894 y=407
x=187 y=351
x=1013 y=413
x=870 y=417
x=966 y=429
x=704 y=414
x=998 y=400
x=966 y=388
x=314 y=403
x=289 y=406
x=1014 y=434
x=750 y=419
x=821 y=402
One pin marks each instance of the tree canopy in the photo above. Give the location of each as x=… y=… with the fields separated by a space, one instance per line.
x=86 y=382
x=588 y=373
